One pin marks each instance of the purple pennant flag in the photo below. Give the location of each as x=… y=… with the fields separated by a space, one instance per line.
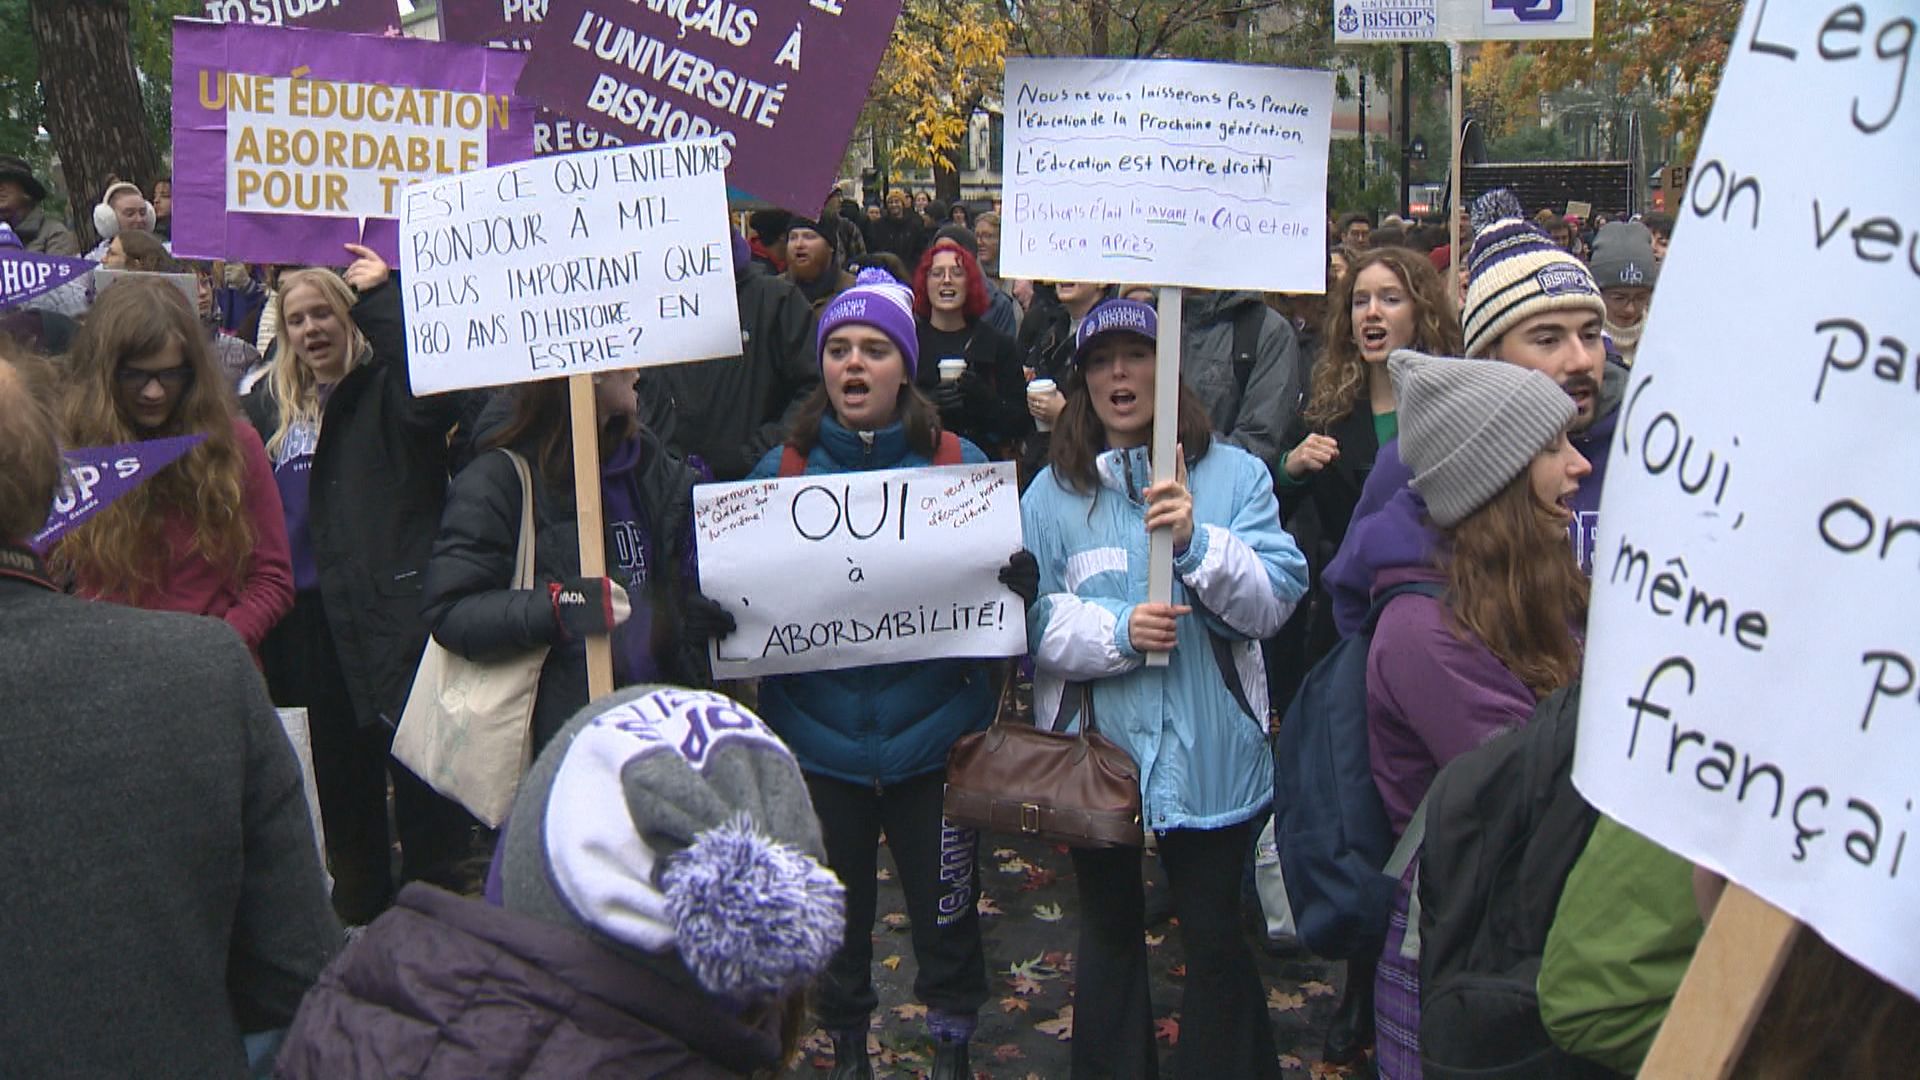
x=780 y=82
x=98 y=476
x=25 y=274
x=510 y=25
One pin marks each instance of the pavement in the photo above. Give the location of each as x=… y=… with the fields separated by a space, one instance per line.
x=1029 y=914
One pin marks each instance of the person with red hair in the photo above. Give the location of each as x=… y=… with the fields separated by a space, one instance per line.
x=986 y=404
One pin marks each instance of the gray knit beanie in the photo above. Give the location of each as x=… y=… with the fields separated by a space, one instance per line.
x=1468 y=427
x=1623 y=256
x=666 y=820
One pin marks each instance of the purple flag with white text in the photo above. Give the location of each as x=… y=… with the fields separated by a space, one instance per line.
x=98 y=476
x=25 y=274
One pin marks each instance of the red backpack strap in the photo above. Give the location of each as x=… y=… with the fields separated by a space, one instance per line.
x=948 y=452
x=791 y=463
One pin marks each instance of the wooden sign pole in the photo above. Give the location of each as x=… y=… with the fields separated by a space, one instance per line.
x=1166 y=428
x=1726 y=986
x=593 y=531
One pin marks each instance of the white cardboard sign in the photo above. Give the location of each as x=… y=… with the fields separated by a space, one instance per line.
x=1166 y=172
x=1752 y=694
x=1366 y=22
x=849 y=569
x=568 y=265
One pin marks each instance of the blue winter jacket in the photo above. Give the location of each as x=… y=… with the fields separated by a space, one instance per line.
x=889 y=722
x=1203 y=755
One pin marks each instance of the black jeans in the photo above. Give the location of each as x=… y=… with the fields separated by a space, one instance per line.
x=1224 y=1030
x=350 y=766
x=939 y=871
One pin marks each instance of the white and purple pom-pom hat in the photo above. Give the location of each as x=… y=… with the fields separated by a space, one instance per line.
x=669 y=820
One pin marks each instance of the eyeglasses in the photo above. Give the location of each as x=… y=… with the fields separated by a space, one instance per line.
x=947 y=273
x=174 y=379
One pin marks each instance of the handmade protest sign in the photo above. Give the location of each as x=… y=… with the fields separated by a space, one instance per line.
x=569 y=265
x=780 y=82
x=1752 y=683
x=291 y=143
x=510 y=24
x=347 y=16
x=96 y=477
x=850 y=569
x=1167 y=172
x=1366 y=22
x=25 y=274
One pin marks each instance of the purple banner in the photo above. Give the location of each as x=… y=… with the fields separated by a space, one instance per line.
x=510 y=24
x=780 y=82
x=289 y=144
x=98 y=476
x=25 y=275
x=349 y=16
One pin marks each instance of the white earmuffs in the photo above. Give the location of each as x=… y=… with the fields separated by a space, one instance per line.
x=107 y=223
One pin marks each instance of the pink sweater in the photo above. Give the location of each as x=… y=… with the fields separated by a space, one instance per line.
x=189 y=583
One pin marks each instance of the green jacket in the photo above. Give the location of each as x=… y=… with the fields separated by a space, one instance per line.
x=1621 y=940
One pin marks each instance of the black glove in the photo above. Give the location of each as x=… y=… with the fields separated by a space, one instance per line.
x=587 y=606
x=1022 y=575
x=948 y=399
x=703 y=619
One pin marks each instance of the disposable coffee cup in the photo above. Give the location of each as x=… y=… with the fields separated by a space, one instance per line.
x=1040 y=388
x=951 y=367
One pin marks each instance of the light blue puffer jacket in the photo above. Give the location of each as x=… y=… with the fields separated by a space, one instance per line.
x=1204 y=758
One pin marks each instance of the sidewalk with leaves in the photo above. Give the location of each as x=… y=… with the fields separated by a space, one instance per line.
x=1029 y=911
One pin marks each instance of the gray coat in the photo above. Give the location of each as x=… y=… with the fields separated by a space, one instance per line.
x=161 y=888
x=1253 y=417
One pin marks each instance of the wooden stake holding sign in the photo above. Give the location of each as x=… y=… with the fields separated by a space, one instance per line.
x=1725 y=991
x=1457 y=116
x=593 y=529
x=1164 y=448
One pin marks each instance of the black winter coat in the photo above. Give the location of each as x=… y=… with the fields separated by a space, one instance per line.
x=473 y=611
x=732 y=411
x=378 y=483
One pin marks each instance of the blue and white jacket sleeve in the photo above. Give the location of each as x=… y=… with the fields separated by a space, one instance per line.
x=1249 y=574
x=1074 y=638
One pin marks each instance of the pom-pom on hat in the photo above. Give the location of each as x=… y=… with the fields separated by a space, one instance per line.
x=879 y=301
x=1468 y=427
x=673 y=822
x=1514 y=273
x=1115 y=317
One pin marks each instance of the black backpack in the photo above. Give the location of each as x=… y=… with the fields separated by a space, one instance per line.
x=1329 y=824
x=1504 y=828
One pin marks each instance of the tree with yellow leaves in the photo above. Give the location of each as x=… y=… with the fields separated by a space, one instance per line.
x=947 y=58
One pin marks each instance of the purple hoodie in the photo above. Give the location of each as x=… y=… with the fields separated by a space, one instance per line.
x=1432 y=695
x=1390 y=527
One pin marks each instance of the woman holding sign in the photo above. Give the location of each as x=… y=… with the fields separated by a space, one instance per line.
x=1487 y=442
x=873 y=741
x=361 y=466
x=1196 y=728
x=202 y=535
x=647 y=501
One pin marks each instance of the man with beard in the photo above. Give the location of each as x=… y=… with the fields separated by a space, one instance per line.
x=1531 y=303
x=1624 y=267
x=813 y=260
x=900 y=232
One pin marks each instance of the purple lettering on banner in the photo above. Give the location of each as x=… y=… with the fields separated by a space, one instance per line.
x=358 y=114
x=98 y=476
x=510 y=24
x=346 y=16
x=25 y=274
x=781 y=83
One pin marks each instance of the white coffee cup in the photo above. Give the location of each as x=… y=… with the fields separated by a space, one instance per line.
x=1041 y=388
x=951 y=367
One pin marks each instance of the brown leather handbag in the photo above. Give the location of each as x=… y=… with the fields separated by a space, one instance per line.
x=1079 y=790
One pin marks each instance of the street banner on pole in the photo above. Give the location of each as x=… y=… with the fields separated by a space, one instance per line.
x=1373 y=22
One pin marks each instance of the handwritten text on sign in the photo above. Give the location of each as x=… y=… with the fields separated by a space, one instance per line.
x=1752 y=695
x=569 y=265
x=1168 y=172
x=850 y=569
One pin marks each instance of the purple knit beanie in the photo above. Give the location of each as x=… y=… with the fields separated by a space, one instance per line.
x=875 y=300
